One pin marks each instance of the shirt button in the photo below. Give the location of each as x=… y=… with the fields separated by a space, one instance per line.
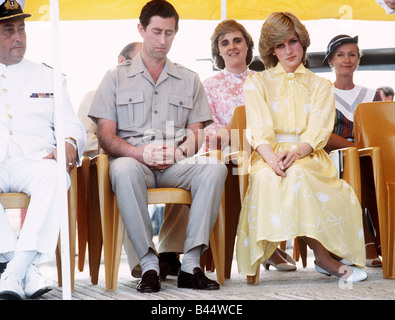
x=10 y=132
x=9 y=116
x=130 y=99
x=3 y=76
x=156 y=111
x=156 y=92
x=5 y=90
x=7 y=106
x=181 y=103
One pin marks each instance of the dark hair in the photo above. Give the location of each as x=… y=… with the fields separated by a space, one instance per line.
x=159 y=8
x=388 y=91
x=222 y=28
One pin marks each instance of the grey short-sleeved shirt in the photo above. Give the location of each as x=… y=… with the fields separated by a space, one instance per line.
x=145 y=111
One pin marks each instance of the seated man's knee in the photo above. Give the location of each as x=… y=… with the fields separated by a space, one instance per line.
x=124 y=166
x=217 y=172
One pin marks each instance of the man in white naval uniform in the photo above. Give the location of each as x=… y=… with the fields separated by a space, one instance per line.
x=28 y=157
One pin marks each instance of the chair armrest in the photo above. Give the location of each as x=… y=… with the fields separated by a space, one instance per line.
x=217 y=154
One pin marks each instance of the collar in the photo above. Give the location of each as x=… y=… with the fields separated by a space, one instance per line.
x=279 y=69
x=138 y=66
x=297 y=76
x=238 y=75
x=15 y=66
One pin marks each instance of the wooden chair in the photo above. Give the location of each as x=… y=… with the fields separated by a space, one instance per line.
x=241 y=151
x=88 y=218
x=374 y=132
x=21 y=201
x=113 y=229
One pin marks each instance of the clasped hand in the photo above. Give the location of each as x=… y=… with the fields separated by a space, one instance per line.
x=282 y=161
x=159 y=156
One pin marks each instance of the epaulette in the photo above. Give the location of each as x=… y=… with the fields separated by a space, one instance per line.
x=44 y=64
x=125 y=63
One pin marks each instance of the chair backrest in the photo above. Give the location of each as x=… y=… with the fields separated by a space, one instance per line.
x=374 y=126
x=239 y=124
x=241 y=147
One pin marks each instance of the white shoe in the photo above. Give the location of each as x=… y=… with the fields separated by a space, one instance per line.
x=11 y=287
x=35 y=283
x=356 y=276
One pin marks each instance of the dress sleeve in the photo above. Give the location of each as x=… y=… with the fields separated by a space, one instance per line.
x=260 y=128
x=321 y=117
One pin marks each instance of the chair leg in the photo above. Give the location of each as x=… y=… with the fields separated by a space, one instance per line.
x=296 y=251
x=388 y=237
x=82 y=218
x=119 y=232
x=72 y=233
x=95 y=239
x=217 y=244
x=232 y=212
x=254 y=280
x=206 y=260
x=302 y=245
x=72 y=261
x=108 y=238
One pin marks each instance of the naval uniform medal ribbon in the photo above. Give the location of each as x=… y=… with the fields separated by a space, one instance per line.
x=41 y=95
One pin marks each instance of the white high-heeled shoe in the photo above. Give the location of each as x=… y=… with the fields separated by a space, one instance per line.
x=356 y=276
x=287 y=264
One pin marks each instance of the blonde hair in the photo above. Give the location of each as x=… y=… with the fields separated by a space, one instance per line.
x=225 y=27
x=275 y=30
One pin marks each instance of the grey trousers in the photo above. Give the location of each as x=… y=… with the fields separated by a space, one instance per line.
x=204 y=177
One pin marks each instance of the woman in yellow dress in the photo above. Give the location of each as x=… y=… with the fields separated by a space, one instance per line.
x=293 y=188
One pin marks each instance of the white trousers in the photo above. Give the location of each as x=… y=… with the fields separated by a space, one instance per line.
x=40 y=231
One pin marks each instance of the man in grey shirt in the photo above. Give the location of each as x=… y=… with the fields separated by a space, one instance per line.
x=149 y=112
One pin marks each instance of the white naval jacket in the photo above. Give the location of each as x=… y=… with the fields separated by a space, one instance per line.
x=27 y=110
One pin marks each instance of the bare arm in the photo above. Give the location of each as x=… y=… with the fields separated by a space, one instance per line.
x=153 y=155
x=112 y=144
x=193 y=141
x=337 y=142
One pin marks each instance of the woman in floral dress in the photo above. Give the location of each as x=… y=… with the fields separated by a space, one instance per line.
x=293 y=189
x=232 y=50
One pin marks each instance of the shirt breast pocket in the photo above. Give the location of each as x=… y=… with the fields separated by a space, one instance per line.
x=180 y=108
x=130 y=108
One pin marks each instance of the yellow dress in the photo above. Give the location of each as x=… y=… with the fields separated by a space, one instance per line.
x=310 y=201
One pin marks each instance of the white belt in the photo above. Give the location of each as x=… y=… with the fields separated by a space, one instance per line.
x=287 y=137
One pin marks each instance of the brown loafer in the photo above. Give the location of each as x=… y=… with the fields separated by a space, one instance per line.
x=197 y=280
x=149 y=282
